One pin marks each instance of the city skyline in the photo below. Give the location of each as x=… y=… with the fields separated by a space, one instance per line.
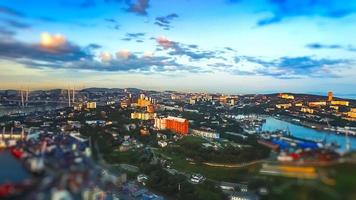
x=228 y=46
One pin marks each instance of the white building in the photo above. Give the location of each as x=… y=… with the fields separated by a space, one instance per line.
x=205 y=133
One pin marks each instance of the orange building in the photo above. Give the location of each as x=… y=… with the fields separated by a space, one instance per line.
x=330 y=96
x=177 y=125
x=143 y=102
x=317 y=103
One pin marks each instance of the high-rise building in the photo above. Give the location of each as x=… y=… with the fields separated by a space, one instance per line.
x=330 y=96
x=174 y=124
x=177 y=125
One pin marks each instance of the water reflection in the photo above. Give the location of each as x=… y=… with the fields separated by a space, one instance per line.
x=273 y=124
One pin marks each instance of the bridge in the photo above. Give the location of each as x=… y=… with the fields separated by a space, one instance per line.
x=24 y=98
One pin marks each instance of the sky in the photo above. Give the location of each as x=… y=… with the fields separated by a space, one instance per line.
x=228 y=46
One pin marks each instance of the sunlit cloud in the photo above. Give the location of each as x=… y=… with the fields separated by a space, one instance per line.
x=148 y=54
x=105 y=56
x=52 y=41
x=123 y=54
x=164 y=42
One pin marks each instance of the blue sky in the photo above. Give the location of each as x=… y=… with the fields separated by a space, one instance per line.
x=230 y=46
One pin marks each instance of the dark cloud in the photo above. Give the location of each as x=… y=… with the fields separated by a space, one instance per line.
x=114 y=24
x=14 y=13
x=135 y=35
x=5 y=32
x=94 y=46
x=282 y=9
x=15 y=50
x=179 y=49
x=111 y=20
x=71 y=56
x=165 y=21
x=138 y=6
x=331 y=46
x=11 y=12
x=294 y=67
x=138 y=37
x=16 y=24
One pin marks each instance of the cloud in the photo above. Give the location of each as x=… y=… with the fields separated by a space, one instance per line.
x=94 y=46
x=292 y=67
x=56 y=52
x=105 y=56
x=331 y=46
x=134 y=36
x=115 y=24
x=50 y=49
x=180 y=49
x=148 y=54
x=14 y=13
x=123 y=54
x=56 y=41
x=4 y=32
x=138 y=6
x=10 y=11
x=164 y=42
x=282 y=9
x=16 y=24
x=165 y=21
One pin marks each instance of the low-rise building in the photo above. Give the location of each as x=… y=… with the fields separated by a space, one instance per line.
x=207 y=133
x=307 y=110
x=317 y=103
x=340 y=103
x=143 y=116
x=283 y=106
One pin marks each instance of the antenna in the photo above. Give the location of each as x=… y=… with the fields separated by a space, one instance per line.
x=27 y=93
x=22 y=98
x=73 y=97
x=69 y=102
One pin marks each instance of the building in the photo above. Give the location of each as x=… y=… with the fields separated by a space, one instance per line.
x=335 y=107
x=317 y=103
x=177 y=125
x=174 y=124
x=150 y=109
x=143 y=116
x=192 y=101
x=286 y=96
x=307 y=110
x=330 y=96
x=91 y=105
x=283 y=106
x=339 y=103
x=125 y=103
x=143 y=103
x=205 y=133
x=160 y=123
x=352 y=113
